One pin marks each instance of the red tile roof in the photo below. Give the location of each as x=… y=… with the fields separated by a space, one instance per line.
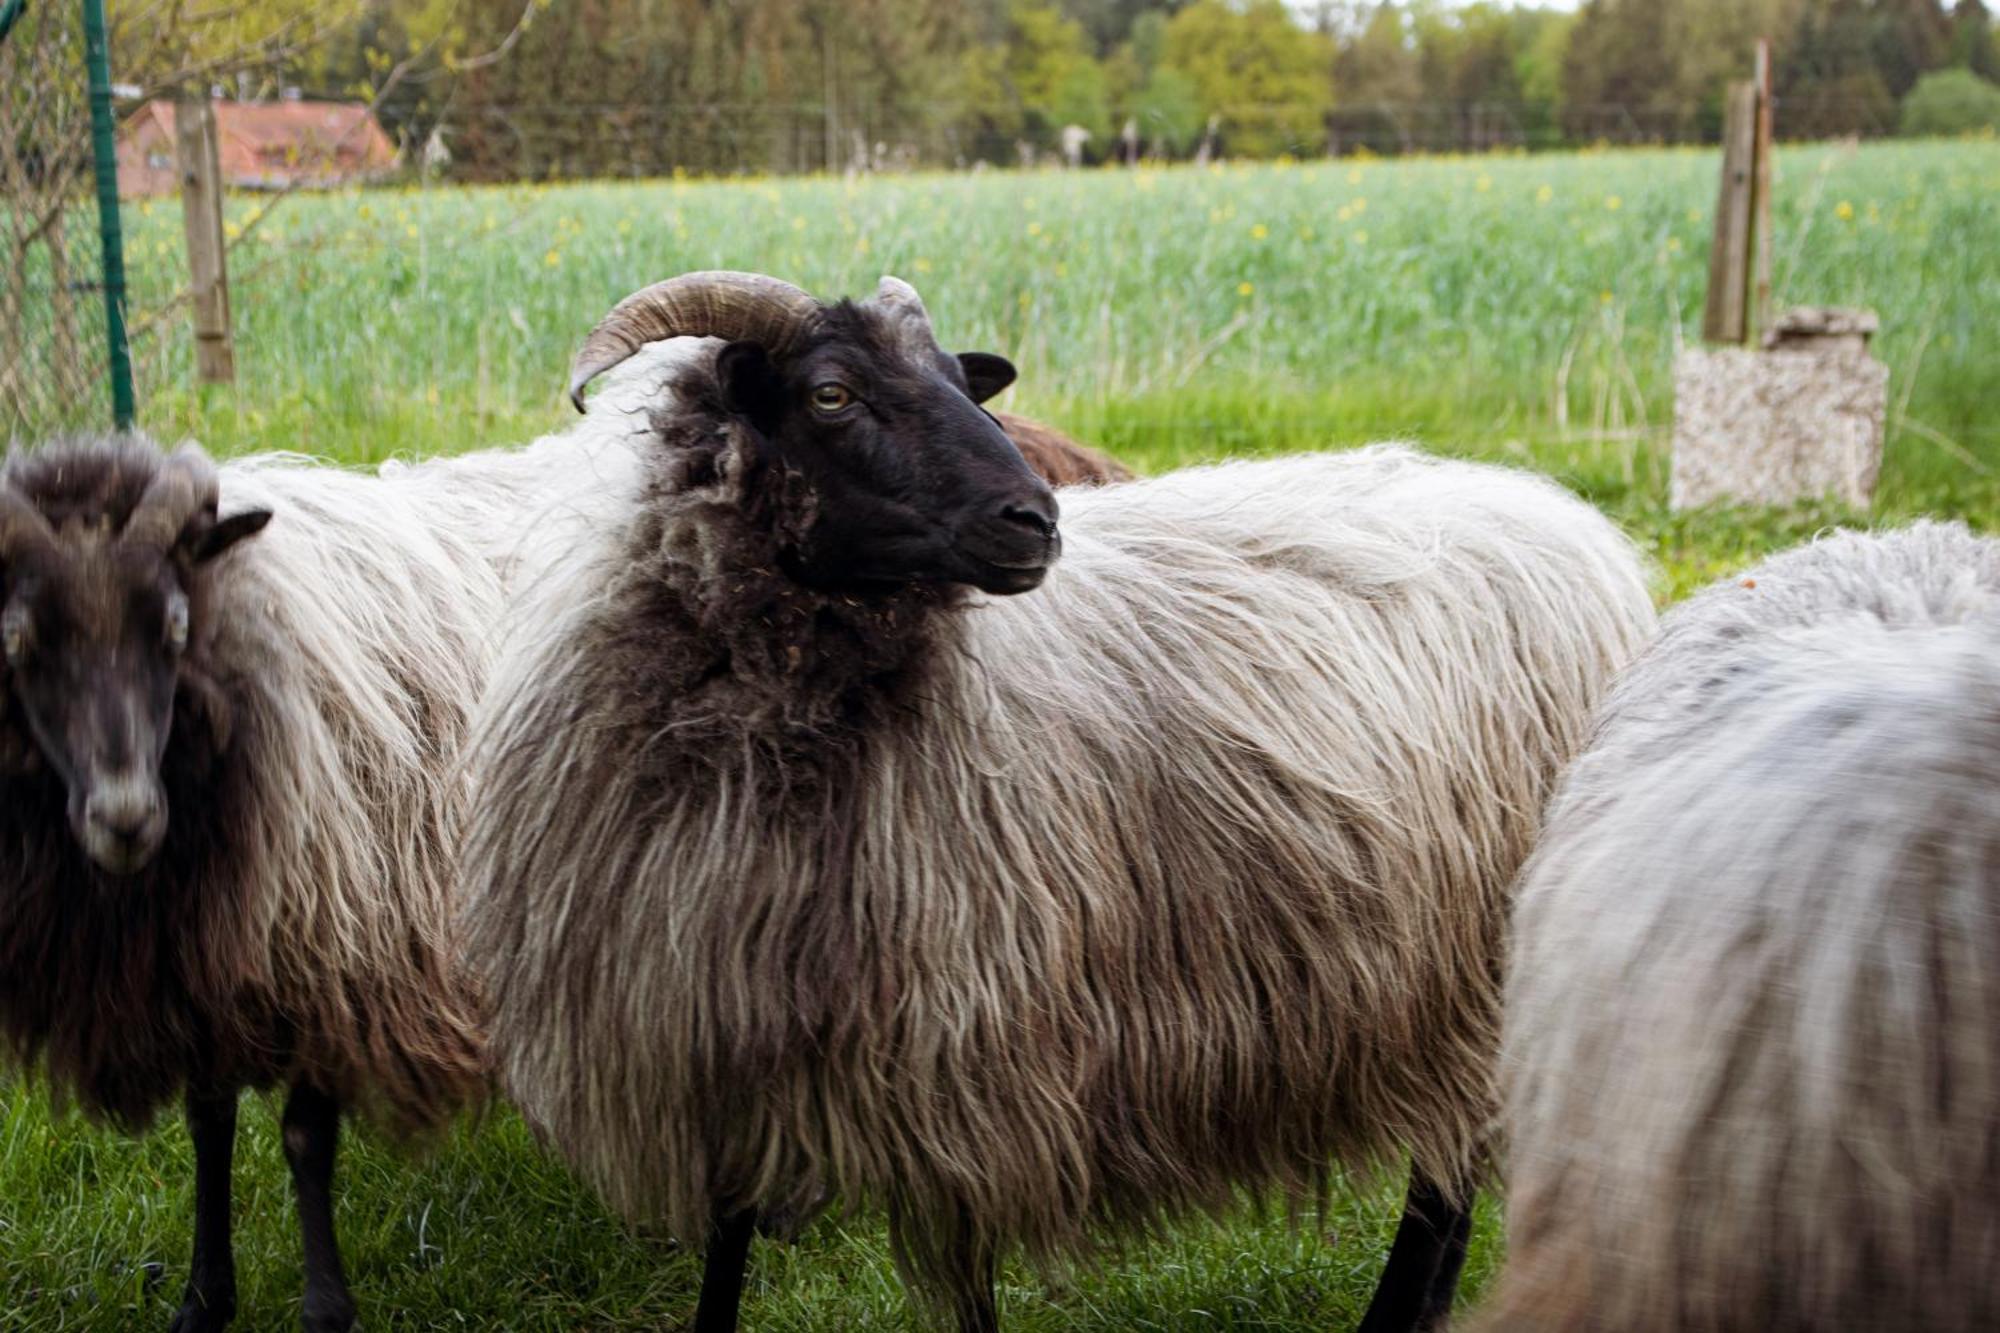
x=263 y=145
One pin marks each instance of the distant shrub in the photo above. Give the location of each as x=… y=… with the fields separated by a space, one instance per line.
x=1952 y=101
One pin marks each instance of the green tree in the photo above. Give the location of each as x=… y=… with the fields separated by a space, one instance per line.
x=1829 y=82
x=1110 y=22
x=1379 y=65
x=1972 y=40
x=1269 y=79
x=1163 y=103
x=1951 y=101
x=1538 y=68
x=1619 y=70
x=1168 y=111
x=1040 y=79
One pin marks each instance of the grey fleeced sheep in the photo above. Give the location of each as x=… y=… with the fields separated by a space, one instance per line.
x=1752 y=1054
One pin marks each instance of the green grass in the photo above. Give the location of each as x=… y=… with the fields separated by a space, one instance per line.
x=483 y=1231
x=1519 y=309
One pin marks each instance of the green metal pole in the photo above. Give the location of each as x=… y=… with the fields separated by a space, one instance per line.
x=104 y=148
x=10 y=12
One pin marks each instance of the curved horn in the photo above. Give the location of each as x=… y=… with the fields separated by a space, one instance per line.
x=22 y=526
x=186 y=485
x=716 y=304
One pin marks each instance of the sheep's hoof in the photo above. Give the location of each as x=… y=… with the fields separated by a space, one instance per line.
x=198 y=1315
x=328 y=1316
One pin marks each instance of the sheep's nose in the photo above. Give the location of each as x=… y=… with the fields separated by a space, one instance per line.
x=124 y=822
x=1037 y=515
x=123 y=806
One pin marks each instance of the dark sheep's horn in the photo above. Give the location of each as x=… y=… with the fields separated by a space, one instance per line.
x=745 y=307
x=185 y=486
x=22 y=526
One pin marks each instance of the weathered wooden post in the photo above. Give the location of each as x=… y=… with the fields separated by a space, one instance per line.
x=1782 y=410
x=200 y=160
x=1725 y=318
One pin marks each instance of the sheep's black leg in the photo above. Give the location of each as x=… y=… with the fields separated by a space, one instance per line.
x=1407 y=1297
x=729 y=1236
x=210 y=1301
x=312 y=1137
x=974 y=1298
x=1444 y=1283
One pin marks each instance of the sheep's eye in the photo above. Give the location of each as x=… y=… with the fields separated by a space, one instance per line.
x=177 y=623
x=14 y=634
x=831 y=397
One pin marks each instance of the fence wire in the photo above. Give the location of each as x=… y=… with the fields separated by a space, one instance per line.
x=53 y=371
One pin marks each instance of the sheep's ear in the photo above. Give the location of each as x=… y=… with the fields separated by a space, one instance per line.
x=228 y=532
x=985 y=373
x=750 y=384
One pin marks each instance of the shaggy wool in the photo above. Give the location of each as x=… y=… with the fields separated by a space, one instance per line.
x=297 y=922
x=1035 y=917
x=1752 y=1055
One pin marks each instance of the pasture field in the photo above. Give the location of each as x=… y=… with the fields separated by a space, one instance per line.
x=1520 y=309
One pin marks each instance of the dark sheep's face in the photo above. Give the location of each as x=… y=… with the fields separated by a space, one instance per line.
x=94 y=628
x=910 y=479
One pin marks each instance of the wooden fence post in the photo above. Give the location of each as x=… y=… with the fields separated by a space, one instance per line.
x=199 y=154
x=1724 y=315
x=1760 y=213
x=1739 y=261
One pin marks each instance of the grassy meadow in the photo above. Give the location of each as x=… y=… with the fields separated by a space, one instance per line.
x=1521 y=309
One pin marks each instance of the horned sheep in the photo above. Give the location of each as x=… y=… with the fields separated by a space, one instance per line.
x=230 y=809
x=808 y=862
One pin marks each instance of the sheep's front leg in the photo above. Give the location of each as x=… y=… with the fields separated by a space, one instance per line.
x=722 y=1274
x=210 y=1300
x=312 y=1136
x=1418 y=1282
x=972 y=1300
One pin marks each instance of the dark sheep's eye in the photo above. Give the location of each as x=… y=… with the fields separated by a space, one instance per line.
x=830 y=397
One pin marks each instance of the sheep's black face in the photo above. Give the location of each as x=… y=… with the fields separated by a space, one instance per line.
x=908 y=480
x=94 y=628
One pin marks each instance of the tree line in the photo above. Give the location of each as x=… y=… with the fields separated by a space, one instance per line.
x=644 y=87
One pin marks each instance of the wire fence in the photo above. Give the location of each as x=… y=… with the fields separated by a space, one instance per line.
x=53 y=370
x=569 y=139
